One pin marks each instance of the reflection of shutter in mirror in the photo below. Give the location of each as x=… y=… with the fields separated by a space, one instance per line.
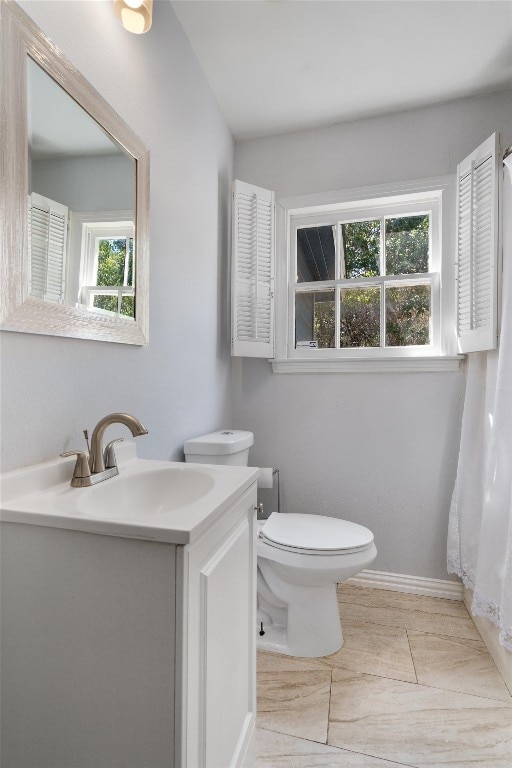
x=47 y=243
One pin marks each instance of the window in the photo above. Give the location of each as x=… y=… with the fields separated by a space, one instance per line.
x=385 y=278
x=365 y=283
x=107 y=274
x=363 y=279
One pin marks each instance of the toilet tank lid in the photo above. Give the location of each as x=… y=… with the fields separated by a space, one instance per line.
x=220 y=443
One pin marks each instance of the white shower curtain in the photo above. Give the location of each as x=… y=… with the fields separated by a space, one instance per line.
x=480 y=526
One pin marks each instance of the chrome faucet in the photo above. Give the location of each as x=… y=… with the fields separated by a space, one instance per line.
x=101 y=464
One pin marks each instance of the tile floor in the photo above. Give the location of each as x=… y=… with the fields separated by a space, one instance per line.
x=412 y=686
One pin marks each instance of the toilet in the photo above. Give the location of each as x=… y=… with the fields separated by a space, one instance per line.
x=301 y=559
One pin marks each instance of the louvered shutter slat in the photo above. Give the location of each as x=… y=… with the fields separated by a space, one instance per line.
x=477 y=248
x=252 y=271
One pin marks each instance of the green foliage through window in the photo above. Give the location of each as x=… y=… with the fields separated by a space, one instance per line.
x=115 y=268
x=407 y=245
x=361 y=249
x=324 y=324
x=407 y=315
x=360 y=317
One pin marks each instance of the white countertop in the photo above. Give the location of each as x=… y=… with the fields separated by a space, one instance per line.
x=41 y=495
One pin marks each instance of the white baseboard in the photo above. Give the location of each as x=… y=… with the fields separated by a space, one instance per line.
x=413 y=585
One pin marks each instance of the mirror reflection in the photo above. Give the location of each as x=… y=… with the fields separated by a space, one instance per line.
x=81 y=204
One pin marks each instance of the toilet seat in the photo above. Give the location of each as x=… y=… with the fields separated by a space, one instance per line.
x=315 y=534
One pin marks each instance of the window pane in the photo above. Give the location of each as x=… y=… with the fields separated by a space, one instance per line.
x=360 y=317
x=407 y=315
x=111 y=260
x=128 y=306
x=360 y=249
x=407 y=245
x=106 y=302
x=315 y=254
x=314 y=319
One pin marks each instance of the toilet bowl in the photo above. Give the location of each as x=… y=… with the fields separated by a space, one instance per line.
x=301 y=559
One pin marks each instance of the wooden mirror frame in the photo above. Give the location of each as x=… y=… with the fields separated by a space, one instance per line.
x=20 y=38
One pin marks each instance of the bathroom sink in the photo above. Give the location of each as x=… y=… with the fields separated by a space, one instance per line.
x=166 y=501
x=154 y=492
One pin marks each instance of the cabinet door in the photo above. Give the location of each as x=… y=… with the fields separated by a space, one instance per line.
x=219 y=641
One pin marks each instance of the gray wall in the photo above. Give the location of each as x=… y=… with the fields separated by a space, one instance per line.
x=405 y=145
x=179 y=385
x=379 y=449
x=94 y=183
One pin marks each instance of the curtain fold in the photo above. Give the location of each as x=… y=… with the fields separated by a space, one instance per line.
x=480 y=524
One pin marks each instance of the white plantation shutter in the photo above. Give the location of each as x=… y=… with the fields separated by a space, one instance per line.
x=48 y=226
x=477 y=248
x=252 y=308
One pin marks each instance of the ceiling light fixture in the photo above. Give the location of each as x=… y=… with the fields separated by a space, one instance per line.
x=135 y=15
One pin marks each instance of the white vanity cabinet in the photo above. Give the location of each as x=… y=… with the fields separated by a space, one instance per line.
x=127 y=651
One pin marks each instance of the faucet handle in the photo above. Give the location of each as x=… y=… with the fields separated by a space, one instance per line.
x=82 y=468
x=109 y=456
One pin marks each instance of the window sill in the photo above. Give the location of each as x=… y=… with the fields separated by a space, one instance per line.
x=375 y=365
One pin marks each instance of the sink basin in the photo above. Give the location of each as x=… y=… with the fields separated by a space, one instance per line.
x=154 y=492
x=150 y=499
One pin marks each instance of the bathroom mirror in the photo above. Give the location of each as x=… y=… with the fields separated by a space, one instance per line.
x=75 y=199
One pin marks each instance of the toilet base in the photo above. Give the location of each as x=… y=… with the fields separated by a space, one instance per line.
x=274 y=641
x=304 y=622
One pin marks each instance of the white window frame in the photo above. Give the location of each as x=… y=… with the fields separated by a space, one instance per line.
x=77 y=270
x=434 y=196
x=92 y=232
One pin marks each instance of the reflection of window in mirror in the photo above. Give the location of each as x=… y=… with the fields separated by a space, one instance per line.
x=106 y=267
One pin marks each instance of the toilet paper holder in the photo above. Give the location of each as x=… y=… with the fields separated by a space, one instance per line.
x=275 y=480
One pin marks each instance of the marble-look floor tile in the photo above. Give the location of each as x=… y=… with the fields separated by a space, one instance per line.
x=276 y=750
x=295 y=703
x=276 y=662
x=456 y=664
x=376 y=650
x=418 y=725
x=394 y=609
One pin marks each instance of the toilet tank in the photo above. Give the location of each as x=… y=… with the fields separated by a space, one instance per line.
x=227 y=446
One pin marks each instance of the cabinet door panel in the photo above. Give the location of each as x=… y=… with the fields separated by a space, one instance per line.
x=217 y=650
x=228 y=624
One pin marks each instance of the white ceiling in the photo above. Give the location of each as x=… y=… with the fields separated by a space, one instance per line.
x=57 y=125
x=280 y=66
